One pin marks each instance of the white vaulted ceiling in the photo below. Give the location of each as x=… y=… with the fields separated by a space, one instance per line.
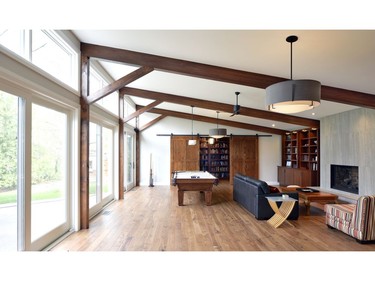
x=337 y=58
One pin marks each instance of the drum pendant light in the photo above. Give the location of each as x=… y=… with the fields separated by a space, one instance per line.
x=293 y=96
x=217 y=133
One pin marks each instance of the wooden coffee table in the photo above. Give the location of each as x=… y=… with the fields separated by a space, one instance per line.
x=308 y=197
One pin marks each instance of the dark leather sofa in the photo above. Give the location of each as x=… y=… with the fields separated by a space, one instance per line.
x=251 y=194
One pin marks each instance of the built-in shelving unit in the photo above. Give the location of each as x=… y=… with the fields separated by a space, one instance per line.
x=214 y=158
x=300 y=151
x=291 y=150
x=309 y=149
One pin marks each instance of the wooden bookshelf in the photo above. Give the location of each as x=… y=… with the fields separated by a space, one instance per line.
x=214 y=158
x=300 y=151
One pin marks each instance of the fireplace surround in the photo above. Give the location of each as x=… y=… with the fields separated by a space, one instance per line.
x=345 y=178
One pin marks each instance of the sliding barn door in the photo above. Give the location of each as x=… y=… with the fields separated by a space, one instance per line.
x=184 y=157
x=244 y=156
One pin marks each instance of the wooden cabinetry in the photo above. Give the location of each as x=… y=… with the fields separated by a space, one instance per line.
x=300 y=154
x=214 y=158
x=297 y=176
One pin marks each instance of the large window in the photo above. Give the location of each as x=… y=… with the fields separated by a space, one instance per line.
x=35 y=185
x=45 y=49
x=97 y=82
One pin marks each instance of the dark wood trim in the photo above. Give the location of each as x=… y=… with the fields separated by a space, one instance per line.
x=221 y=121
x=142 y=110
x=118 y=84
x=222 y=107
x=152 y=122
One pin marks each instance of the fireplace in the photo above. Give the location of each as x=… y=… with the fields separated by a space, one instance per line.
x=345 y=178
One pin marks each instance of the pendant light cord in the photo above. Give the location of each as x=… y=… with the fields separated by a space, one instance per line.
x=192 y=123
x=291 y=60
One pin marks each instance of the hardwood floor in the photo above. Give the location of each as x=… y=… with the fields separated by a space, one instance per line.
x=149 y=219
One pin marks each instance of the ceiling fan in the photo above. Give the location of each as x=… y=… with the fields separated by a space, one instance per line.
x=236 y=107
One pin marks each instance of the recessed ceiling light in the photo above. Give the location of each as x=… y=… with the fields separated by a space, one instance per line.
x=313 y=113
x=273 y=125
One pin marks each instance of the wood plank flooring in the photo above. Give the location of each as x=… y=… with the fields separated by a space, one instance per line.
x=149 y=219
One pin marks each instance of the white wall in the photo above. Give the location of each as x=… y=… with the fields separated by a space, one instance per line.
x=159 y=146
x=348 y=138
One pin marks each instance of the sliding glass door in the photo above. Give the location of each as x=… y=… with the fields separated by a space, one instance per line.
x=8 y=171
x=49 y=189
x=34 y=186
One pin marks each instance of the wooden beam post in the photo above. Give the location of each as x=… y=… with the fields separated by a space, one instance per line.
x=121 y=151
x=84 y=143
x=138 y=158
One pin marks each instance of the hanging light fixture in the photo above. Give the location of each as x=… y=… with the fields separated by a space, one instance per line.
x=293 y=96
x=217 y=133
x=192 y=141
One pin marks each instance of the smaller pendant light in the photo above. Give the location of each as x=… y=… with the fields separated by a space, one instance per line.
x=217 y=133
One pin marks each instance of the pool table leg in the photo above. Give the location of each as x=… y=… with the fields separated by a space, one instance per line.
x=208 y=197
x=180 y=197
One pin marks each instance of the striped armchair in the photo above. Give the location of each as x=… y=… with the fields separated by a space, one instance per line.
x=356 y=220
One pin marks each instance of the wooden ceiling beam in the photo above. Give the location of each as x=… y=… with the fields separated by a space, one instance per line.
x=222 y=107
x=218 y=73
x=142 y=110
x=184 y=67
x=152 y=122
x=216 y=121
x=118 y=84
x=348 y=97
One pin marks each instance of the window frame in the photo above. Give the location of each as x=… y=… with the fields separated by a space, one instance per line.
x=63 y=40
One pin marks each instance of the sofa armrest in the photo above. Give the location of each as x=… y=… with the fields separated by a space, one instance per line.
x=363 y=220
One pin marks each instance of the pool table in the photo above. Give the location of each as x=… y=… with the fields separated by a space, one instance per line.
x=194 y=181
